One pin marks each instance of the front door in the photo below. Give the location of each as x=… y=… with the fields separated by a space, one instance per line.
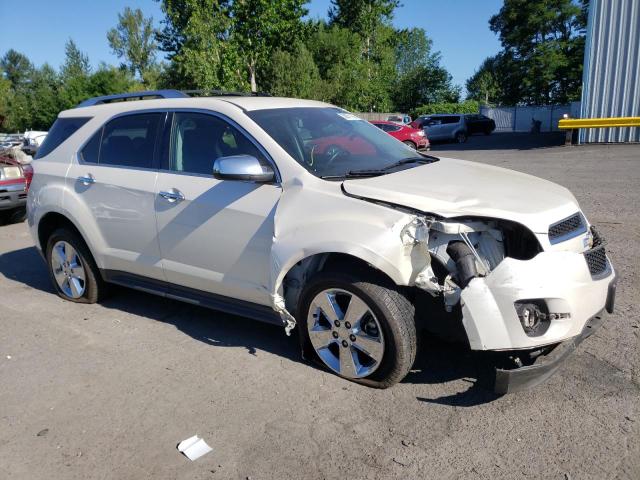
x=215 y=235
x=114 y=178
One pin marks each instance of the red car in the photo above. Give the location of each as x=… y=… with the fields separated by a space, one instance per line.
x=413 y=137
x=15 y=179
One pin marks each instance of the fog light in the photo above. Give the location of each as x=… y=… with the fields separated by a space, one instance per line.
x=534 y=317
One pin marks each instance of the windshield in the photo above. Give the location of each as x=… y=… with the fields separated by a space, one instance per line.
x=330 y=142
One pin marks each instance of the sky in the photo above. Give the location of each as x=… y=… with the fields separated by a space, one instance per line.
x=459 y=28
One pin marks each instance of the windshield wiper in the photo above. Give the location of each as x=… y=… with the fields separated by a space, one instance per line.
x=374 y=172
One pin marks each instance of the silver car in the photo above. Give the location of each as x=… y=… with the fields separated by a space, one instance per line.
x=443 y=127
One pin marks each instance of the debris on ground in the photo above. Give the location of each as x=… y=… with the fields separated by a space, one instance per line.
x=194 y=447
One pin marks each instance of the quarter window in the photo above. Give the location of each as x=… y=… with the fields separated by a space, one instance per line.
x=62 y=129
x=199 y=139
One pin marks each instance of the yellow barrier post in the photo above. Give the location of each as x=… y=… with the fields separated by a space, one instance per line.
x=571 y=124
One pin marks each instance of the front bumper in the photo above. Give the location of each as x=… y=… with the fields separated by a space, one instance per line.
x=13 y=196
x=516 y=379
x=560 y=279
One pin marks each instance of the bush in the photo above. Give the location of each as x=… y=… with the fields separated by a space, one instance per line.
x=468 y=106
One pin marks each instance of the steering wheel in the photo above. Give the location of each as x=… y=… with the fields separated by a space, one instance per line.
x=333 y=152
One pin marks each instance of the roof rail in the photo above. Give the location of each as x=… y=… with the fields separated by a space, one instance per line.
x=121 y=97
x=224 y=93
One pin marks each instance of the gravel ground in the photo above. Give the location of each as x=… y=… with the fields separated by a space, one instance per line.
x=107 y=391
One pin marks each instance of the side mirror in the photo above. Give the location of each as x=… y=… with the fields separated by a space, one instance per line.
x=242 y=167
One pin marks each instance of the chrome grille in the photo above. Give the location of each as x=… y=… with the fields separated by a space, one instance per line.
x=567 y=228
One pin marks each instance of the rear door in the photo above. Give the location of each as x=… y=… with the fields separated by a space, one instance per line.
x=215 y=235
x=114 y=178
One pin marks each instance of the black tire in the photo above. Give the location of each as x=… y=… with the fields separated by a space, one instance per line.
x=487 y=132
x=393 y=310
x=409 y=143
x=16 y=215
x=461 y=137
x=95 y=287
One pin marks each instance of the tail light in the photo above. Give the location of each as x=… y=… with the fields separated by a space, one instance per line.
x=28 y=174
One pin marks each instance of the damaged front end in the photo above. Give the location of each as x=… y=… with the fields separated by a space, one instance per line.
x=527 y=308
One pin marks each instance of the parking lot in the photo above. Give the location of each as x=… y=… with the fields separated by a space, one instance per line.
x=107 y=391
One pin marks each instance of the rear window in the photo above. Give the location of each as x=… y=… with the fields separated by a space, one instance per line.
x=125 y=141
x=62 y=129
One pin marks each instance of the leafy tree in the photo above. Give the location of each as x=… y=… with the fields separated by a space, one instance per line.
x=293 y=74
x=364 y=17
x=261 y=26
x=16 y=66
x=484 y=84
x=543 y=48
x=421 y=78
x=134 y=40
x=196 y=37
x=76 y=63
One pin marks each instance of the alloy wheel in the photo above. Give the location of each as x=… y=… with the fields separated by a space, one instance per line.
x=345 y=333
x=68 y=270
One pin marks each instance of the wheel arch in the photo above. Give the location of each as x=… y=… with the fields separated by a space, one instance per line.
x=292 y=277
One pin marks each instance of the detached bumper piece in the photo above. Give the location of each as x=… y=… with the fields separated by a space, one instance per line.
x=12 y=196
x=547 y=362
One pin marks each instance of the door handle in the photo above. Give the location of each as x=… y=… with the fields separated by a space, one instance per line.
x=172 y=195
x=87 y=179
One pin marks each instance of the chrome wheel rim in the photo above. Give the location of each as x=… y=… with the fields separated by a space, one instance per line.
x=345 y=333
x=68 y=270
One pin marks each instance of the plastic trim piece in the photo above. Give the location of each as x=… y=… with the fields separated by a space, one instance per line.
x=149 y=94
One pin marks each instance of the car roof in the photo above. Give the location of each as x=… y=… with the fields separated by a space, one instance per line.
x=386 y=122
x=247 y=103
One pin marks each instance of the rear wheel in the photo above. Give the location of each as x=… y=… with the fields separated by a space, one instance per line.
x=16 y=215
x=409 y=143
x=461 y=137
x=72 y=269
x=359 y=326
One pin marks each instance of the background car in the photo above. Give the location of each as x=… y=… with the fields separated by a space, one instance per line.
x=403 y=119
x=15 y=179
x=443 y=127
x=413 y=137
x=478 y=123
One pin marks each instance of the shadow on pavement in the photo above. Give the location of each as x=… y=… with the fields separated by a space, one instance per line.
x=440 y=362
x=504 y=141
x=437 y=362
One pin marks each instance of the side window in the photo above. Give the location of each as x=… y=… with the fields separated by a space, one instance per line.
x=198 y=139
x=128 y=141
x=62 y=129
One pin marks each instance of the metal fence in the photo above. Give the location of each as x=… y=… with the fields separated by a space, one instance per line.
x=520 y=119
x=369 y=116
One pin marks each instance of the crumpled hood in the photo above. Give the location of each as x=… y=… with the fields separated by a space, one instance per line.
x=454 y=188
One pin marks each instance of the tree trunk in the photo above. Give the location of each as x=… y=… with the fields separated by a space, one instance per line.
x=252 y=76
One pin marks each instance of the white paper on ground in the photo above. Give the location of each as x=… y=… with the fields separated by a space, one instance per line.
x=194 y=447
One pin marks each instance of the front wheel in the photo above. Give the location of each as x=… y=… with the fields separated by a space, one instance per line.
x=359 y=326
x=410 y=144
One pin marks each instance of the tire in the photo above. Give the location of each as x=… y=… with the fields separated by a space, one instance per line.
x=409 y=143
x=392 y=313
x=461 y=137
x=93 y=286
x=18 y=215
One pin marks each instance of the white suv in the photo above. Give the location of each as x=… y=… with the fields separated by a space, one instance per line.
x=297 y=212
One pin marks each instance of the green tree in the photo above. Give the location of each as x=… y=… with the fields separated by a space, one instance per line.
x=484 y=84
x=74 y=76
x=195 y=35
x=421 y=77
x=293 y=74
x=260 y=27
x=134 y=39
x=543 y=48
x=16 y=67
